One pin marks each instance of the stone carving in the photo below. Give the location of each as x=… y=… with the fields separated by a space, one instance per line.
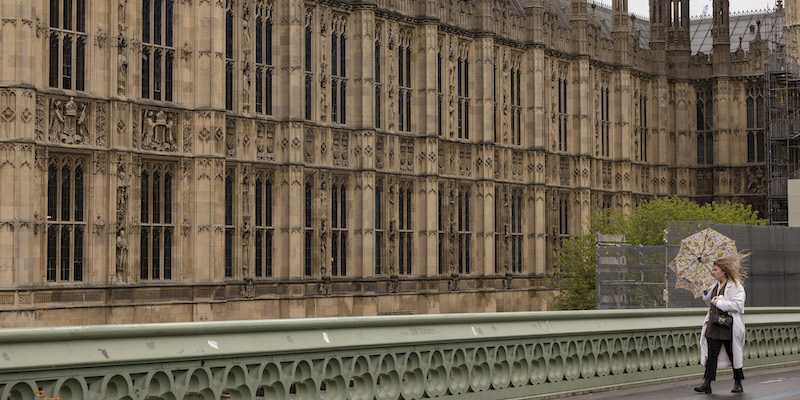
x=122 y=251
x=100 y=124
x=756 y=181
x=340 y=148
x=187 y=133
x=308 y=147
x=157 y=131
x=68 y=122
x=407 y=155
x=246 y=245
x=39 y=123
x=230 y=138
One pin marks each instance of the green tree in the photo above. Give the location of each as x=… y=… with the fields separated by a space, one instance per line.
x=573 y=277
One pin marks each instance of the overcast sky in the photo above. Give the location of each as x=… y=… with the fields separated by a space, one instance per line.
x=642 y=7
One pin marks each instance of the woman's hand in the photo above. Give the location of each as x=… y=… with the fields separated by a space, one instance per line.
x=705 y=287
x=714 y=301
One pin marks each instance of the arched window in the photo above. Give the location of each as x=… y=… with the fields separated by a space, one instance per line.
x=705 y=126
x=264 y=66
x=158 y=50
x=230 y=228
x=309 y=229
x=339 y=227
x=67 y=44
x=66 y=225
x=157 y=226
x=264 y=227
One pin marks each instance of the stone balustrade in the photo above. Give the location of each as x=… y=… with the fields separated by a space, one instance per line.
x=465 y=356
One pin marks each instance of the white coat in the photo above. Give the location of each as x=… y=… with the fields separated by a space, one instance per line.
x=733 y=304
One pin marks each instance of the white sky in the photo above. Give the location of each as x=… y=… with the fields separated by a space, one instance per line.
x=642 y=7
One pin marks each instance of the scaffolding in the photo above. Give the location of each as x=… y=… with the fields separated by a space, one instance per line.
x=782 y=78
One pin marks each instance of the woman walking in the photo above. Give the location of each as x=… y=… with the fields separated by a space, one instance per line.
x=724 y=323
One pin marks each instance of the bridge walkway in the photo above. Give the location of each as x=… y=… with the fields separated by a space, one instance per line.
x=762 y=384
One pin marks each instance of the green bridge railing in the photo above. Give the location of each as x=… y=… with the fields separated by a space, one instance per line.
x=465 y=356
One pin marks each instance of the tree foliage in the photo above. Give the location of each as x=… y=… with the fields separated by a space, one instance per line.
x=573 y=277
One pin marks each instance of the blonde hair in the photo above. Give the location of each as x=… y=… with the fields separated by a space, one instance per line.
x=734 y=272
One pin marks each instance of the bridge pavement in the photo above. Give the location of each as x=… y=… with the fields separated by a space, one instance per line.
x=764 y=384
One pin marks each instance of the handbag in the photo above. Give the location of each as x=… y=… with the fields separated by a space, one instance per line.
x=722 y=320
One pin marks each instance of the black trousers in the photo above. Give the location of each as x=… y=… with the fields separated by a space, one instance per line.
x=714 y=347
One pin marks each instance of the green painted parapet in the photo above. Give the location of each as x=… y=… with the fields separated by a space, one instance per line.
x=465 y=356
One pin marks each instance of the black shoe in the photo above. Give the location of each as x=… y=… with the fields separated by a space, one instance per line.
x=737 y=387
x=704 y=388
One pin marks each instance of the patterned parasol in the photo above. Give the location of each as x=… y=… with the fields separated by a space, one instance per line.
x=694 y=260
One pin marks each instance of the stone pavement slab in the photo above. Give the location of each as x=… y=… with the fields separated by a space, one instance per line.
x=765 y=384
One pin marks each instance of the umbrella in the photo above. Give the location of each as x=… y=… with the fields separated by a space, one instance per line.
x=692 y=264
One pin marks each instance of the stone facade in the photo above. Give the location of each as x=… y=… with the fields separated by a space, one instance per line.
x=167 y=160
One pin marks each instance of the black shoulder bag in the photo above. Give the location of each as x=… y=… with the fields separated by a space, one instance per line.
x=723 y=319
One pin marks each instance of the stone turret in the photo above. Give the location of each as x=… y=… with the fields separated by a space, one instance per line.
x=720 y=30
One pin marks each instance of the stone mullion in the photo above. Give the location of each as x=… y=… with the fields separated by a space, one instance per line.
x=623 y=113
x=535 y=94
x=289 y=42
x=484 y=228
x=428 y=207
x=482 y=90
x=582 y=108
x=288 y=256
x=367 y=225
x=723 y=147
x=539 y=226
x=427 y=105
x=295 y=197
x=686 y=149
x=211 y=51
x=361 y=69
x=98 y=264
x=658 y=122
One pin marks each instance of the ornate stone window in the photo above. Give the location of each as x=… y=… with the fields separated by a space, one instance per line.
x=264 y=226
x=755 y=123
x=464 y=231
x=158 y=51
x=644 y=131
x=463 y=90
x=439 y=90
x=264 y=66
x=157 y=226
x=495 y=95
x=404 y=80
x=66 y=224
x=308 y=230
x=378 y=78
x=308 y=50
x=230 y=227
x=441 y=228
x=67 y=44
x=379 y=228
x=605 y=117
x=563 y=118
x=705 y=126
x=516 y=231
x=229 y=53
x=563 y=216
x=499 y=212
x=515 y=78
x=339 y=227
x=338 y=69
x=405 y=228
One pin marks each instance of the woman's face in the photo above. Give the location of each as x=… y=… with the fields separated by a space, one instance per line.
x=718 y=273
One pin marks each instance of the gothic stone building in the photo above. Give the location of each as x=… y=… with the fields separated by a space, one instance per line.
x=179 y=160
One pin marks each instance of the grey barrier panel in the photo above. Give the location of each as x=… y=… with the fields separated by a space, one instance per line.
x=636 y=276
